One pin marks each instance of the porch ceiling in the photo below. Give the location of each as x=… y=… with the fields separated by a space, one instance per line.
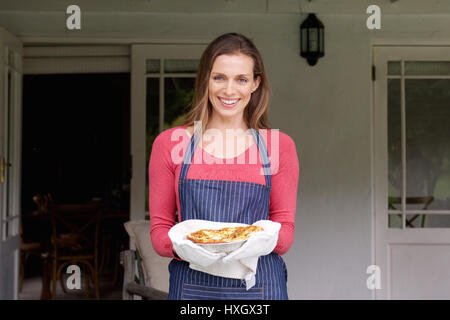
x=234 y=6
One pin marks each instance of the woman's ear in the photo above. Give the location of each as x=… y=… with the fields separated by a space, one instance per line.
x=256 y=84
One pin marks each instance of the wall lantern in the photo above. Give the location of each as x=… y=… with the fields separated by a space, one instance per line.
x=312 y=39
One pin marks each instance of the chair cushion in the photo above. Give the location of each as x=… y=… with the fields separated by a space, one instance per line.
x=155 y=266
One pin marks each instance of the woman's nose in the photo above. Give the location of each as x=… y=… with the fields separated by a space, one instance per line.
x=229 y=89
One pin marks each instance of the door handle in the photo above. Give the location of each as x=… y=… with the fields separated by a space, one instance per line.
x=3 y=171
x=4 y=165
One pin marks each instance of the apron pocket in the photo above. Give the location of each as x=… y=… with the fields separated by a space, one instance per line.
x=198 y=292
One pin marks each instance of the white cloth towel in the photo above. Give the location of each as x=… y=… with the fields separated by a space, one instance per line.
x=239 y=264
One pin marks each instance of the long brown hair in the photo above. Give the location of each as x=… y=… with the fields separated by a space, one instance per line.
x=256 y=111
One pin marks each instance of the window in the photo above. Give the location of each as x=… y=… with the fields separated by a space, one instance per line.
x=169 y=91
x=419 y=144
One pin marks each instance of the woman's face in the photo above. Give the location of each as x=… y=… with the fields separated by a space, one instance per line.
x=231 y=85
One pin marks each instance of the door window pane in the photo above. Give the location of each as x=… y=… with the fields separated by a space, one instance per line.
x=153 y=66
x=395 y=221
x=181 y=65
x=426 y=153
x=394 y=140
x=394 y=68
x=178 y=94
x=427 y=140
x=152 y=124
x=428 y=221
x=427 y=67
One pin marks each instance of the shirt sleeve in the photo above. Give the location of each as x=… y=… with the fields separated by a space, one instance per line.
x=283 y=197
x=162 y=197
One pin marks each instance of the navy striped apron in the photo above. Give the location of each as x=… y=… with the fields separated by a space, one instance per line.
x=226 y=201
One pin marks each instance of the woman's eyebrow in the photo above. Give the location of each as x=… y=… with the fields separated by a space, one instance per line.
x=239 y=75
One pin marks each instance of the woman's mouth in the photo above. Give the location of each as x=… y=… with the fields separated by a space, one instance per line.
x=228 y=103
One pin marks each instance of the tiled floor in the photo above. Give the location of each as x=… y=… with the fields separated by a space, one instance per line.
x=108 y=290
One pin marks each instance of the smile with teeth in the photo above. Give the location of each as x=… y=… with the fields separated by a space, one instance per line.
x=229 y=102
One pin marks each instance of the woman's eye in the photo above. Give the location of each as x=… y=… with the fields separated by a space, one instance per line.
x=241 y=80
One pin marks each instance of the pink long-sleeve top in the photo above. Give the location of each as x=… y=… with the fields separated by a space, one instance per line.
x=164 y=172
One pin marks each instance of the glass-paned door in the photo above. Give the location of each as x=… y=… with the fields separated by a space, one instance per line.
x=163 y=78
x=412 y=171
x=10 y=161
x=418 y=144
x=171 y=87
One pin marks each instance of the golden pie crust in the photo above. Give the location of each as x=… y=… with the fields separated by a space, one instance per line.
x=224 y=235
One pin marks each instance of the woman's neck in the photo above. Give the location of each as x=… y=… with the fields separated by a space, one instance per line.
x=232 y=126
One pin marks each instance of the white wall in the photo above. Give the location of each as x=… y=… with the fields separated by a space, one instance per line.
x=326 y=109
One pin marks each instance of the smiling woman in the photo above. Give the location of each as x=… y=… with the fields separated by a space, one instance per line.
x=231 y=68
x=229 y=90
x=230 y=101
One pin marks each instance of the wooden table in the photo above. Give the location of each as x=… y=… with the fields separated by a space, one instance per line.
x=113 y=218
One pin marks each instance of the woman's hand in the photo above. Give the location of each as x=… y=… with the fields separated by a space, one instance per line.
x=259 y=244
x=191 y=252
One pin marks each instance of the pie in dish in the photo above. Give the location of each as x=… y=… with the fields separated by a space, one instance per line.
x=224 y=235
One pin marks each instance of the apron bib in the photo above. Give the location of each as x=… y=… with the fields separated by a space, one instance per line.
x=226 y=201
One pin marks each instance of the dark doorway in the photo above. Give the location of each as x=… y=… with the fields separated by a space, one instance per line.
x=75 y=142
x=76 y=137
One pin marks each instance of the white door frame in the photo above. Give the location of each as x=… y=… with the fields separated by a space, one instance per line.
x=10 y=154
x=386 y=238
